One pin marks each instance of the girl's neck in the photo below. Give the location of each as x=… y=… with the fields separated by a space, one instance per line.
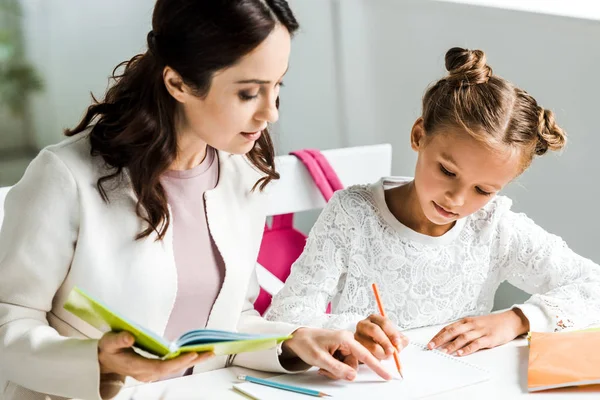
x=404 y=205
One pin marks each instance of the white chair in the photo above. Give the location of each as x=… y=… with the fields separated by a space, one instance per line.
x=295 y=191
x=3 y=192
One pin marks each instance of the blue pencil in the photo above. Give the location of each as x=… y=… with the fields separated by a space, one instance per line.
x=282 y=386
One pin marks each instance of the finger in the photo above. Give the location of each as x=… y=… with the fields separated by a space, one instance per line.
x=179 y=363
x=461 y=341
x=373 y=347
x=352 y=362
x=370 y=330
x=475 y=345
x=336 y=368
x=364 y=356
x=404 y=341
x=150 y=370
x=202 y=357
x=113 y=342
x=388 y=328
x=326 y=374
x=449 y=333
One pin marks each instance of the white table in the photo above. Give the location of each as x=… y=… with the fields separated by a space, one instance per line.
x=507 y=365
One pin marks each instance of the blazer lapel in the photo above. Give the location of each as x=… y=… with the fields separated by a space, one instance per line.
x=236 y=219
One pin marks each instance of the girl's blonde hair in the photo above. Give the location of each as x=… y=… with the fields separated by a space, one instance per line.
x=489 y=108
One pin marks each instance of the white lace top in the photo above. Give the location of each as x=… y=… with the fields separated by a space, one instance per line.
x=428 y=280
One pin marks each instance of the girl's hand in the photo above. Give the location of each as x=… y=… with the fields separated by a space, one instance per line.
x=336 y=353
x=471 y=334
x=116 y=357
x=380 y=336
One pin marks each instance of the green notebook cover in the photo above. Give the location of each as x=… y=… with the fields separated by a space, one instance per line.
x=100 y=316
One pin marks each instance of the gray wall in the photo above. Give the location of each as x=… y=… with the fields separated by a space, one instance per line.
x=390 y=50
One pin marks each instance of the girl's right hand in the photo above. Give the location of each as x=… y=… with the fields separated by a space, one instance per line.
x=380 y=336
x=116 y=356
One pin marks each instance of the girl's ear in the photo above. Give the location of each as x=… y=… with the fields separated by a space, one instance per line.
x=417 y=135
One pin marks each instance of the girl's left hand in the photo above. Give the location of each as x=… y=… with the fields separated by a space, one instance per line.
x=474 y=333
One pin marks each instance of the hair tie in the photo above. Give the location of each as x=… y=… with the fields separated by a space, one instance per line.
x=151 y=39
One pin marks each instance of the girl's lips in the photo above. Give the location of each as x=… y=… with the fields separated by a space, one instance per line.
x=443 y=212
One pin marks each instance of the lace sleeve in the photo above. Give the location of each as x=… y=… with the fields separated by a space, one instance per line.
x=565 y=285
x=315 y=276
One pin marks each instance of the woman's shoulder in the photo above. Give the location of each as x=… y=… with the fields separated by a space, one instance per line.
x=75 y=153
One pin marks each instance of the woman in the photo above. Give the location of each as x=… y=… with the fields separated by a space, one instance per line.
x=153 y=205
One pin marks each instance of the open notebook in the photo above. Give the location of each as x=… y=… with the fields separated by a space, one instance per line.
x=426 y=372
x=99 y=315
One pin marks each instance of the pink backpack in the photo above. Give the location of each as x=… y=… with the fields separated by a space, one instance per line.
x=282 y=244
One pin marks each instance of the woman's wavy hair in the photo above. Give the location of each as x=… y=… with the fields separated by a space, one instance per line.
x=132 y=128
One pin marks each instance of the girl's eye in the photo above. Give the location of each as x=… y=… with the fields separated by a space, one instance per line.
x=482 y=192
x=445 y=171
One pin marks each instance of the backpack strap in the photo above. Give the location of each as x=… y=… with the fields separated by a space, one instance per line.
x=328 y=171
x=322 y=174
x=315 y=172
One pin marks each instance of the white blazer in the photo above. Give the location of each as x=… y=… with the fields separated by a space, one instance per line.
x=58 y=233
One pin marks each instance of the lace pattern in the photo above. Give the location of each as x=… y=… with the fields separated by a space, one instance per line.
x=424 y=282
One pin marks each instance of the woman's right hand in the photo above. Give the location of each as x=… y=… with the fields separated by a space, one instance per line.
x=116 y=356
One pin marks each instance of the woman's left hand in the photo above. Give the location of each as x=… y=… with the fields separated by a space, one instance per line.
x=474 y=333
x=335 y=352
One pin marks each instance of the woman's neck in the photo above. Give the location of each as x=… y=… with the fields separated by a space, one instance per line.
x=191 y=152
x=404 y=205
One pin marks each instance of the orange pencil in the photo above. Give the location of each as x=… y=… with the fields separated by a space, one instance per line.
x=382 y=312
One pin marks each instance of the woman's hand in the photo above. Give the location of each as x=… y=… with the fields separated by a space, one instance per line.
x=471 y=334
x=380 y=336
x=116 y=357
x=336 y=353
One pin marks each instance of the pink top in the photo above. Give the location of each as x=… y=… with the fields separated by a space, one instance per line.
x=200 y=268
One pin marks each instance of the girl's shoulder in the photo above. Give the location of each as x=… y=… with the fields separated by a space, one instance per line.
x=489 y=216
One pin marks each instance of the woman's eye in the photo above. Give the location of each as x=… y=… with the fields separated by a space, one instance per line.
x=247 y=96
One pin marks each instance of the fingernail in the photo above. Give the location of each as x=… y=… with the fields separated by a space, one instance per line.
x=459 y=352
x=351 y=376
x=431 y=345
x=390 y=350
x=444 y=350
x=193 y=356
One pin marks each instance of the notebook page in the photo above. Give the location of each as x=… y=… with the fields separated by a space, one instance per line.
x=426 y=372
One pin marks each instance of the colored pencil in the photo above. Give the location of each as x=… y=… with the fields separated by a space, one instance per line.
x=382 y=312
x=282 y=386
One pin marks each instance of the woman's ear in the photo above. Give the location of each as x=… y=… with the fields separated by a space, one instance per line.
x=175 y=85
x=417 y=135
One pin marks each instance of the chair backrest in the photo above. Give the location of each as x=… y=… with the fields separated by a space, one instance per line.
x=3 y=192
x=296 y=191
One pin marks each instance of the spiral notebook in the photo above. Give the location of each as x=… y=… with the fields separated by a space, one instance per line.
x=426 y=373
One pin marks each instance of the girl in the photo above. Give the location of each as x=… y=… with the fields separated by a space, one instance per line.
x=439 y=245
x=153 y=204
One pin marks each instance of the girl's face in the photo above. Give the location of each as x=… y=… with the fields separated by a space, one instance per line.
x=240 y=102
x=456 y=175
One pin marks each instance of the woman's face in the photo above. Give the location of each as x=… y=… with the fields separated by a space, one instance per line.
x=240 y=102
